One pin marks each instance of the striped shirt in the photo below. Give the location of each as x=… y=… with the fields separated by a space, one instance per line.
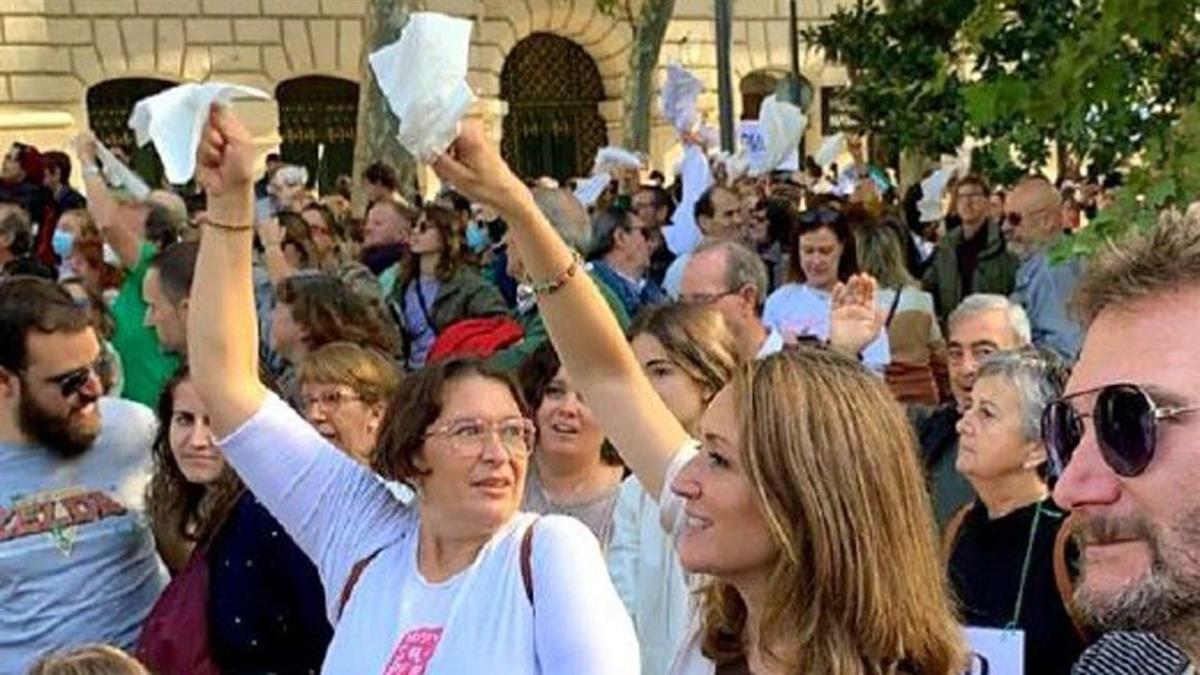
x=1132 y=654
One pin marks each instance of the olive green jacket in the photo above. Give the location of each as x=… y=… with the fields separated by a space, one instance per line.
x=996 y=271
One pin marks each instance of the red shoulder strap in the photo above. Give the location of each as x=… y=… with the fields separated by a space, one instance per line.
x=527 y=561
x=352 y=580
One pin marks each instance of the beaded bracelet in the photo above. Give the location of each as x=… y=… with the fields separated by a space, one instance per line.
x=228 y=228
x=553 y=286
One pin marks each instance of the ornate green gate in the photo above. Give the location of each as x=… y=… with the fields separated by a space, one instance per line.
x=553 y=127
x=318 y=117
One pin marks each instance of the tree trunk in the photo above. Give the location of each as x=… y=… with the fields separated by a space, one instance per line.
x=648 y=34
x=375 y=138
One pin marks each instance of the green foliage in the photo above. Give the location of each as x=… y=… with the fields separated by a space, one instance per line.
x=1113 y=83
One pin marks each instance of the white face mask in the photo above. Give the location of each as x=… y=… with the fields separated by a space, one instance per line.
x=110 y=256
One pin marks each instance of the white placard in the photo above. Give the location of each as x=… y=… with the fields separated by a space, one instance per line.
x=752 y=140
x=995 y=651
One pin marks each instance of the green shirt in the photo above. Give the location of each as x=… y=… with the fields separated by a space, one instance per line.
x=147 y=368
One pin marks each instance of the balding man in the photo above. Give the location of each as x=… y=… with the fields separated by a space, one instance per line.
x=1033 y=225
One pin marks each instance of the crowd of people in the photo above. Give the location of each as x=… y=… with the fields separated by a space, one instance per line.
x=501 y=431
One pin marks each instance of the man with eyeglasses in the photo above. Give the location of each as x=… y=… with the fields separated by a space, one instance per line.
x=1032 y=226
x=77 y=560
x=971 y=258
x=621 y=249
x=652 y=206
x=1125 y=437
x=732 y=279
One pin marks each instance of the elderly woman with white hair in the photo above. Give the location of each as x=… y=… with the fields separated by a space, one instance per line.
x=1007 y=551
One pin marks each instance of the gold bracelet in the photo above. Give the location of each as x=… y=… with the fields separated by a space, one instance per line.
x=552 y=286
x=228 y=228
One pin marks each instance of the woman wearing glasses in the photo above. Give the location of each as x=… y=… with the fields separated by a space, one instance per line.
x=460 y=582
x=819 y=557
x=822 y=256
x=344 y=389
x=1003 y=549
x=435 y=287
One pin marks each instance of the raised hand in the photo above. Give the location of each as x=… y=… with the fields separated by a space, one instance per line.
x=225 y=158
x=476 y=169
x=854 y=320
x=85 y=148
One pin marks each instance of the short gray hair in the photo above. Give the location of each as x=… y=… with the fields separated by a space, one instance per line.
x=605 y=224
x=1037 y=375
x=567 y=215
x=979 y=303
x=743 y=267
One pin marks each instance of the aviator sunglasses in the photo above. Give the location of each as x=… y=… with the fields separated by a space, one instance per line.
x=1126 y=423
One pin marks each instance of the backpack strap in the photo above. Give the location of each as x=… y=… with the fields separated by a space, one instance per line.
x=1063 y=580
x=527 y=561
x=352 y=580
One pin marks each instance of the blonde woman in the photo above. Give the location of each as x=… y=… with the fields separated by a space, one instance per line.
x=689 y=354
x=914 y=337
x=820 y=557
x=344 y=389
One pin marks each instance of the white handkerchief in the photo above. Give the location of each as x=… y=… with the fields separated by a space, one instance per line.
x=423 y=76
x=120 y=176
x=683 y=235
x=932 y=189
x=612 y=158
x=735 y=165
x=588 y=190
x=679 y=94
x=174 y=120
x=831 y=148
x=782 y=126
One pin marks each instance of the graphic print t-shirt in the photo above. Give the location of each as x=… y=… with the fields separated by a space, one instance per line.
x=424 y=609
x=77 y=560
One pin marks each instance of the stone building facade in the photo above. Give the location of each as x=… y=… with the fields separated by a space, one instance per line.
x=65 y=64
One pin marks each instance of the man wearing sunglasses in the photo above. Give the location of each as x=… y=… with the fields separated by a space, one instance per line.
x=77 y=562
x=1125 y=437
x=1032 y=226
x=622 y=246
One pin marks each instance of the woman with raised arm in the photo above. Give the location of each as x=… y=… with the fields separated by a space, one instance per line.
x=803 y=502
x=449 y=584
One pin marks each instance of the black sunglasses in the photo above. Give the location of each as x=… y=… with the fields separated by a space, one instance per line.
x=73 y=382
x=821 y=216
x=1126 y=422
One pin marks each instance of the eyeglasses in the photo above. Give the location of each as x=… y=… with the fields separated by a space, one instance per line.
x=972 y=195
x=329 y=400
x=1126 y=423
x=1015 y=218
x=704 y=298
x=73 y=382
x=468 y=437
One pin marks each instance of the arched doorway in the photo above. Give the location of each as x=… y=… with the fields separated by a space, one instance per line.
x=553 y=126
x=109 y=105
x=318 y=117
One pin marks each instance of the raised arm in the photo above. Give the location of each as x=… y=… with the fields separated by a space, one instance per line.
x=585 y=333
x=222 y=337
x=111 y=220
x=271 y=234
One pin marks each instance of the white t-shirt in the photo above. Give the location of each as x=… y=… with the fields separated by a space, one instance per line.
x=798 y=310
x=395 y=622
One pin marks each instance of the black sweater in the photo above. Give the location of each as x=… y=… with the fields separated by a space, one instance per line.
x=985 y=572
